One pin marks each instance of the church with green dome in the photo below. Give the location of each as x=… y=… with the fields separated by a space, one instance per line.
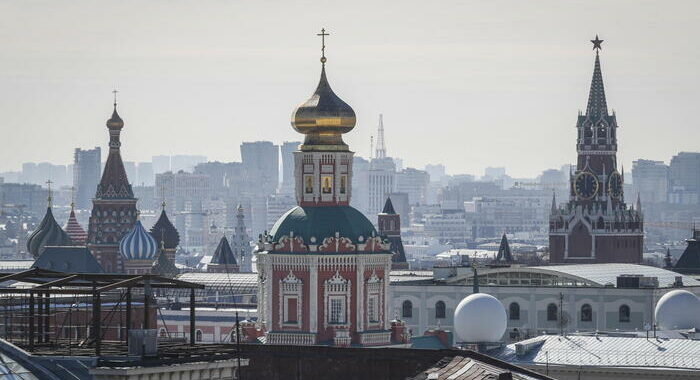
x=323 y=268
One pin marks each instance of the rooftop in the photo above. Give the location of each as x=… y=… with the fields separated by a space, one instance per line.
x=604 y=351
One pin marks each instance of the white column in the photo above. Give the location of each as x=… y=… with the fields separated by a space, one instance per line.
x=360 y=283
x=387 y=297
x=313 y=295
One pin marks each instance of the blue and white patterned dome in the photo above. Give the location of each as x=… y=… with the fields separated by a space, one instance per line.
x=138 y=244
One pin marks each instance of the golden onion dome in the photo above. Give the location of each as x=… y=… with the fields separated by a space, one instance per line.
x=115 y=122
x=323 y=118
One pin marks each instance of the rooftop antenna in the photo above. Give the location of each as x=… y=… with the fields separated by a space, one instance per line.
x=371 y=147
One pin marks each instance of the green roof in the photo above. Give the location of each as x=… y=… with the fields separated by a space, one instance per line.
x=322 y=222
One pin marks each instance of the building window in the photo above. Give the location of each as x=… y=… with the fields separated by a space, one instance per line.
x=407 y=309
x=624 y=313
x=327 y=182
x=198 y=336
x=308 y=184
x=290 y=310
x=343 y=183
x=337 y=310
x=163 y=333
x=439 y=310
x=552 y=312
x=373 y=309
x=514 y=311
x=586 y=313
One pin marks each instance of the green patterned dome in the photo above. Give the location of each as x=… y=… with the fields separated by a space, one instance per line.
x=323 y=222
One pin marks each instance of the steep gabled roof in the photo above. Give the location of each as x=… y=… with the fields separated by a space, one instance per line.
x=69 y=259
x=388 y=207
x=223 y=254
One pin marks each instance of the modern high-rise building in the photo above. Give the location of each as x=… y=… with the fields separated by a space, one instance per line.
x=161 y=164
x=415 y=183
x=684 y=177
x=114 y=205
x=145 y=174
x=596 y=225
x=261 y=165
x=87 y=165
x=381 y=181
x=436 y=172
x=287 y=149
x=650 y=180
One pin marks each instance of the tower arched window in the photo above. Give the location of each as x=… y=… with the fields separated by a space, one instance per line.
x=624 y=313
x=552 y=312
x=586 y=313
x=198 y=336
x=439 y=310
x=514 y=311
x=407 y=309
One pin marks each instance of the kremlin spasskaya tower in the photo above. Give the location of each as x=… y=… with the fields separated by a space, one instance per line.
x=596 y=225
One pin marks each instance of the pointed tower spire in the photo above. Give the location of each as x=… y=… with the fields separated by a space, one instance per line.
x=597 y=105
x=553 y=211
x=504 y=252
x=381 y=147
x=638 y=206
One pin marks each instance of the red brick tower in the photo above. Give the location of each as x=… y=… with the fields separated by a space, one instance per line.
x=596 y=225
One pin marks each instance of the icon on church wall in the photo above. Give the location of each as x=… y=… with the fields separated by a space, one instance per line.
x=327 y=187
x=309 y=187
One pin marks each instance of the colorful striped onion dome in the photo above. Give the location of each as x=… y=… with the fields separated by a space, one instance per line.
x=74 y=230
x=138 y=244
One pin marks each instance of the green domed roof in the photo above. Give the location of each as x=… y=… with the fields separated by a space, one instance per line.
x=323 y=222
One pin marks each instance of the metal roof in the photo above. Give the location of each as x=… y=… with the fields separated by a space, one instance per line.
x=234 y=283
x=605 y=351
x=602 y=274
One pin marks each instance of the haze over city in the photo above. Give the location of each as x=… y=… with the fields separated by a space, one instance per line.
x=467 y=84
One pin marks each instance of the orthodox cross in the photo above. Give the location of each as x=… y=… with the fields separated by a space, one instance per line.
x=72 y=197
x=596 y=44
x=323 y=35
x=115 y=96
x=48 y=183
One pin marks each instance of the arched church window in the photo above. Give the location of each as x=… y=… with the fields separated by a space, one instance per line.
x=439 y=309
x=407 y=309
x=601 y=223
x=552 y=312
x=343 y=180
x=514 y=311
x=586 y=313
x=198 y=336
x=624 y=313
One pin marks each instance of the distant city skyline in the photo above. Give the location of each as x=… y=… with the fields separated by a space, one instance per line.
x=455 y=83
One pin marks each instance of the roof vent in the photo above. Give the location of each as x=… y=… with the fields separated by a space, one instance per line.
x=678 y=282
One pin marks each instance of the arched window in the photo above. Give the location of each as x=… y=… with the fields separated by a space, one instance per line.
x=552 y=312
x=514 y=311
x=586 y=313
x=163 y=333
x=198 y=336
x=624 y=313
x=439 y=309
x=407 y=309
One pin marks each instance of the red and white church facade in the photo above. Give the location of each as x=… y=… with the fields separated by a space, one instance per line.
x=323 y=268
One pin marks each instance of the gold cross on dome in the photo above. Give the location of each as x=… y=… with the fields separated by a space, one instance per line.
x=323 y=35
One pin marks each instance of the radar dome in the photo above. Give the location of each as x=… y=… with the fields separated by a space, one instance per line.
x=678 y=310
x=480 y=318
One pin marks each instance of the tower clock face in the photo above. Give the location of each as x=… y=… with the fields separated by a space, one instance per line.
x=615 y=185
x=586 y=185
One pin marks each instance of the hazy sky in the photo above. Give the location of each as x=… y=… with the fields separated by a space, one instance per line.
x=466 y=83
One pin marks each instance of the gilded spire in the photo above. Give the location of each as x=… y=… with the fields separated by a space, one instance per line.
x=324 y=117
